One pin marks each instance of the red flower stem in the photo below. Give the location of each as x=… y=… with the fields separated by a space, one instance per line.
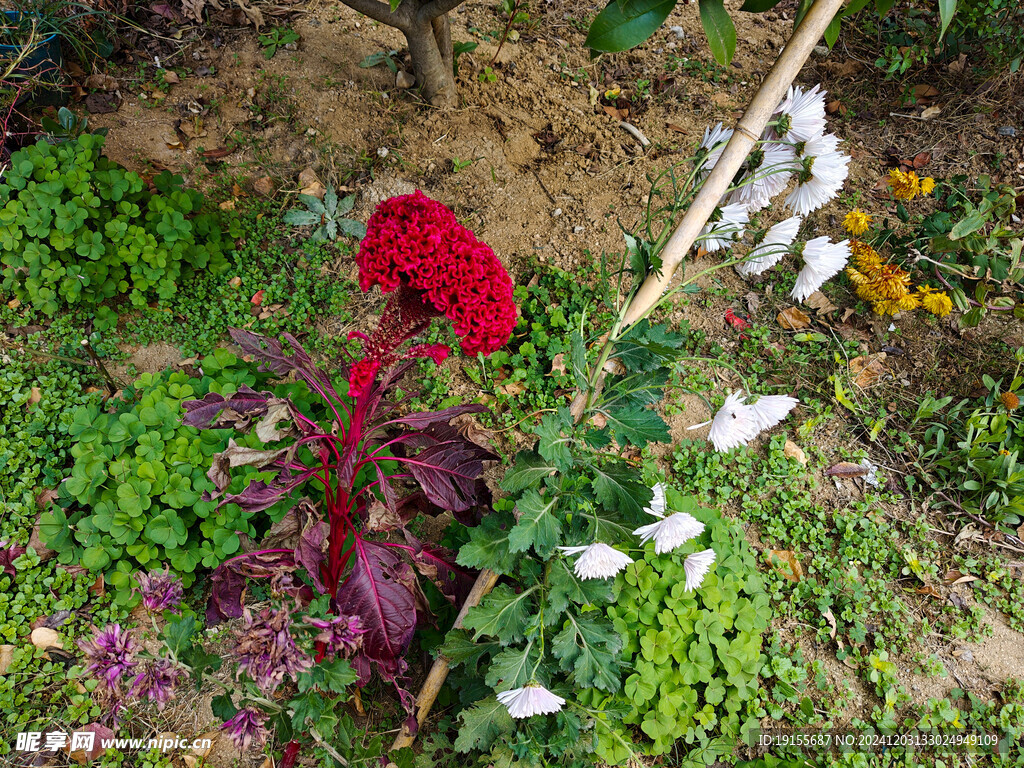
x=970 y=301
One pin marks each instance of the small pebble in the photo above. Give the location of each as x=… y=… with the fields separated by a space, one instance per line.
x=967 y=656
x=1006 y=130
x=557 y=212
x=382 y=152
x=678 y=32
x=578 y=230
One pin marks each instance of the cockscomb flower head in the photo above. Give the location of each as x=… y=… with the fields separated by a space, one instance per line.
x=597 y=561
x=416 y=248
x=110 y=655
x=160 y=590
x=266 y=650
x=246 y=728
x=532 y=699
x=341 y=635
x=157 y=682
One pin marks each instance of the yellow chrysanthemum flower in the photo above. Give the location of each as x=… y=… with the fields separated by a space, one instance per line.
x=864 y=255
x=891 y=282
x=857 y=222
x=936 y=302
x=905 y=186
x=892 y=306
x=857 y=278
x=927 y=185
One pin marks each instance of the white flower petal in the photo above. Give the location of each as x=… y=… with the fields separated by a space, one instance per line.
x=769 y=410
x=770 y=251
x=530 y=700
x=696 y=567
x=670 y=532
x=759 y=185
x=715 y=140
x=598 y=561
x=728 y=229
x=805 y=111
x=822 y=259
x=733 y=425
x=657 y=507
x=828 y=171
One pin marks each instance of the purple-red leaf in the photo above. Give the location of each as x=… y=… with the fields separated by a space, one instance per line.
x=375 y=592
x=271 y=353
x=227 y=585
x=447 y=472
x=259 y=495
x=7 y=557
x=438 y=565
x=422 y=420
x=215 y=411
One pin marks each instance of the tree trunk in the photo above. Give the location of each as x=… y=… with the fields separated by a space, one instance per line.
x=430 y=46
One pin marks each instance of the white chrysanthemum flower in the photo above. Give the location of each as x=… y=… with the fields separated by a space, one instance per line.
x=801 y=114
x=822 y=259
x=824 y=169
x=532 y=699
x=769 y=410
x=737 y=423
x=598 y=561
x=714 y=140
x=727 y=229
x=670 y=532
x=775 y=164
x=770 y=251
x=696 y=567
x=658 y=505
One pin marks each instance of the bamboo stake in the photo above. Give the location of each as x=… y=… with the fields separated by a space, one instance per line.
x=751 y=125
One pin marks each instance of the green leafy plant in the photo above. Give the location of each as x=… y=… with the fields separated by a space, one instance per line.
x=135 y=491
x=326 y=216
x=276 y=39
x=382 y=57
x=67 y=126
x=695 y=656
x=76 y=229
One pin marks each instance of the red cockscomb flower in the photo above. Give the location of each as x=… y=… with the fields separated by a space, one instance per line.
x=416 y=246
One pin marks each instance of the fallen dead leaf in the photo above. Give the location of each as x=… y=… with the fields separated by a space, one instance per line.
x=558 y=363
x=6 y=657
x=235 y=281
x=34 y=395
x=265 y=186
x=101 y=82
x=794 y=451
x=227 y=205
x=831 y=619
x=615 y=367
x=930 y=591
x=753 y=302
x=257 y=298
x=514 y=389
x=793 y=571
x=14 y=303
x=868 y=370
x=615 y=113
x=44 y=637
x=203 y=752
x=929 y=112
x=954 y=577
x=922 y=92
x=676 y=128
x=820 y=302
x=170 y=76
x=793 y=319
x=721 y=99
x=846 y=469
x=216 y=154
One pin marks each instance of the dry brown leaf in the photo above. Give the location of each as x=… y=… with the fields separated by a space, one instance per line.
x=599 y=421
x=265 y=186
x=676 y=128
x=846 y=469
x=867 y=370
x=512 y=390
x=922 y=92
x=921 y=159
x=794 y=451
x=930 y=591
x=254 y=15
x=831 y=619
x=753 y=302
x=615 y=113
x=785 y=557
x=44 y=637
x=227 y=205
x=820 y=302
x=235 y=281
x=99 y=587
x=954 y=577
x=35 y=395
x=6 y=657
x=721 y=99
x=14 y=303
x=558 y=363
x=170 y=76
x=793 y=319
x=204 y=751
x=311 y=185
x=615 y=367
x=929 y=112
x=101 y=82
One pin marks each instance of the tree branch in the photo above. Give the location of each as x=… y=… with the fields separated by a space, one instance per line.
x=436 y=8
x=382 y=12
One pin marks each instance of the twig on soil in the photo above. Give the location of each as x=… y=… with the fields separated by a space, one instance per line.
x=635 y=132
x=112 y=384
x=546 y=191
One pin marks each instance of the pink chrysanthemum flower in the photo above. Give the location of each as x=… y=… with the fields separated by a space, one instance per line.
x=246 y=728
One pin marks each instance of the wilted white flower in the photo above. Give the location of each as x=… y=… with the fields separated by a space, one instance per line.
x=670 y=532
x=696 y=567
x=737 y=423
x=801 y=115
x=769 y=169
x=725 y=227
x=532 y=699
x=771 y=249
x=821 y=173
x=598 y=561
x=822 y=259
x=714 y=141
x=769 y=410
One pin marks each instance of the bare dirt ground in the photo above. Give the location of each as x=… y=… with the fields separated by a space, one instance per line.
x=537 y=164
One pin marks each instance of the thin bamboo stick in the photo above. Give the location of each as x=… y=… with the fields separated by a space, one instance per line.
x=751 y=125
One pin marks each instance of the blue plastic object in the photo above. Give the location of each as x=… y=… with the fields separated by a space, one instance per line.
x=43 y=61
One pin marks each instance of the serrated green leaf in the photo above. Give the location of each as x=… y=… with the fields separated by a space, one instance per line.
x=638 y=426
x=554 y=445
x=512 y=668
x=502 y=614
x=482 y=724
x=589 y=646
x=538 y=526
x=488 y=545
x=565 y=587
x=458 y=648
x=620 y=488
x=178 y=632
x=527 y=472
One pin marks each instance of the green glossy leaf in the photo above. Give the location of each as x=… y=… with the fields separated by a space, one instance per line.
x=619 y=29
x=719 y=29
